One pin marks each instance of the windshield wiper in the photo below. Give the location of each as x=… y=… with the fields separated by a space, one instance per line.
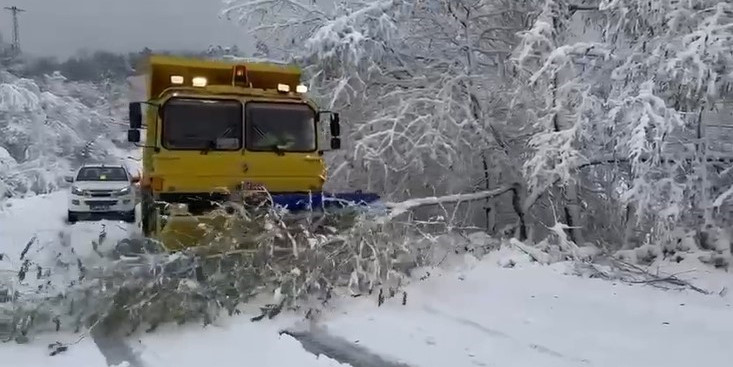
x=276 y=148
x=211 y=144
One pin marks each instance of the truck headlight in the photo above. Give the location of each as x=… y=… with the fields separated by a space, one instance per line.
x=76 y=191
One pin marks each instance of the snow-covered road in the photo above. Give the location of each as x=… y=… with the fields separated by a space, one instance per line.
x=468 y=313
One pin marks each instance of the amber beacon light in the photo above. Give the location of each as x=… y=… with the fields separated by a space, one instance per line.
x=240 y=76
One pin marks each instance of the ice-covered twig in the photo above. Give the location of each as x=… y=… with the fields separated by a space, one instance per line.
x=633 y=274
x=534 y=253
x=400 y=208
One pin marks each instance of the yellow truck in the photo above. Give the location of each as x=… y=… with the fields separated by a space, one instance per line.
x=215 y=128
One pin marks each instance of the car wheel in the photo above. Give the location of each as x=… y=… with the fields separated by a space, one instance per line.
x=129 y=216
x=72 y=217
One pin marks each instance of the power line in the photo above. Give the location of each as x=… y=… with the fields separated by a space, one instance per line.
x=16 y=29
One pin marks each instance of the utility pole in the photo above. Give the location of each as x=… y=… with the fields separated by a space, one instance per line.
x=16 y=29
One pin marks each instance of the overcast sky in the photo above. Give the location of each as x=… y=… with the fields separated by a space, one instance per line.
x=61 y=27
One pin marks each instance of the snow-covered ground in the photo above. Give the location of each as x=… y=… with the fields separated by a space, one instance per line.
x=42 y=219
x=467 y=313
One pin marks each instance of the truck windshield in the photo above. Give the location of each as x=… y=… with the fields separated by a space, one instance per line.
x=202 y=124
x=280 y=127
x=102 y=174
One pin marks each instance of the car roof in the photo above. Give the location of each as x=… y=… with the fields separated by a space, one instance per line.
x=103 y=165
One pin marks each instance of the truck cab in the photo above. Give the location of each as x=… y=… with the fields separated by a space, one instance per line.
x=214 y=128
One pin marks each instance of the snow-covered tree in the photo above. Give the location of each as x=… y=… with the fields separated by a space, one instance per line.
x=50 y=126
x=586 y=108
x=615 y=105
x=419 y=82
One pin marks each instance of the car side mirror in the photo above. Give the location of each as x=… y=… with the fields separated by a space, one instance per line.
x=335 y=143
x=136 y=115
x=335 y=125
x=135 y=179
x=69 y=179
x=133 y=135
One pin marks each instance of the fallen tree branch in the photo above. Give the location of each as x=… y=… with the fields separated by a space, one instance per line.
x=400 y=208
x=633 y=274
x=534 y=253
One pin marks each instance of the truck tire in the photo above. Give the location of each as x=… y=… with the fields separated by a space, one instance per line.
x=72 y=217
x=147 y=210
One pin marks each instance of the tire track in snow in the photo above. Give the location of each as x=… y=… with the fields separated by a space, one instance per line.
x=495 y=333
x=115 y=350
x=318 y=341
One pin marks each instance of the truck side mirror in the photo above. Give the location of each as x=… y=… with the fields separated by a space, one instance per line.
x=335 y=125
x=136 y=115
x=335 y=143
x=133 y=135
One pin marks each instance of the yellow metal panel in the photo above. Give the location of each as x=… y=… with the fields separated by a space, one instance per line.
x=190 y=171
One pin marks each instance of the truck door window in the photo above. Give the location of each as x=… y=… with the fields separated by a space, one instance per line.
x=202 y=124
x=282 y=127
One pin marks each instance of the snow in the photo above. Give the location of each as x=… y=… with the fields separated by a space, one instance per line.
x=44 y=217
x=36 y=354
x=502 y=310
x=257 y=343
x=533 y=315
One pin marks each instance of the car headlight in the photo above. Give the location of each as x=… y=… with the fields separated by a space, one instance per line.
x=77 y=191
x=123 y=191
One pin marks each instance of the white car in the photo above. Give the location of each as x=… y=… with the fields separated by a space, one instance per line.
x=101 y=190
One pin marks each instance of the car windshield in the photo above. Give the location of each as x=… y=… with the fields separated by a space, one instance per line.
x=102 y=174
x=202 y=124
x=286 y=127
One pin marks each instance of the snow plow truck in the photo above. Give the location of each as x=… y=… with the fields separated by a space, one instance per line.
x=226 y=131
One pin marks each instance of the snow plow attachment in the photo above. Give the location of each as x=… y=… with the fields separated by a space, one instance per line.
x=325 y=201
x=178 y=229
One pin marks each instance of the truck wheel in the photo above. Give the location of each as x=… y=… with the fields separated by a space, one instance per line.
x=72 y=217
x=147 y=208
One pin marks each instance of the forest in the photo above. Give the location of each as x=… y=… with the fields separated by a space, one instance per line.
x=602 y=123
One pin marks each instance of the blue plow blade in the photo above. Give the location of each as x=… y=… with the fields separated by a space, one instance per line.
x=325 y=202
